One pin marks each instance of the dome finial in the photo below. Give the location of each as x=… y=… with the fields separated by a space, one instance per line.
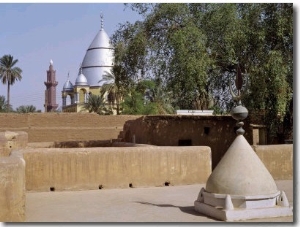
x=68 y=74
x=239 y=112
x=101 y=16
x=51 y=62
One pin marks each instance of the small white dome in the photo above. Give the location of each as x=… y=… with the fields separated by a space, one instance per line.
x=81 y=80
x=68 y=86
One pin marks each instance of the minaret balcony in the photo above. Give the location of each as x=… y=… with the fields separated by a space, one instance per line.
x=51 y=83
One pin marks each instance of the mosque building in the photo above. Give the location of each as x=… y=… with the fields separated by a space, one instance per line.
x=98 y=61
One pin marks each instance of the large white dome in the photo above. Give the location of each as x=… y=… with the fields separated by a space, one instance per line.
x=98 y=58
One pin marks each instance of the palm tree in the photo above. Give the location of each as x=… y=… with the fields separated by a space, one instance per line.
x=26 y=109
x=95 y=103
x=155 y=93
x=9 y=73
x=114 y=87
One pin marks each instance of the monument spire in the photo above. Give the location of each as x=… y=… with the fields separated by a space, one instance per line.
x=239 y=112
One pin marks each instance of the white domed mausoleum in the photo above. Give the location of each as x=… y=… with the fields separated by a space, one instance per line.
x=98 y=60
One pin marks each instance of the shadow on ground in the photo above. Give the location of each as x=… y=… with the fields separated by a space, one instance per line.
x=187 y=209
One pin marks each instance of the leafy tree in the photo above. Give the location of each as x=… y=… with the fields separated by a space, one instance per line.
x=133 y=103
x=271 y=62
x=194 y=49
x=9 y=73
x=168 y=46
x=130 y=44
x=155 y=94
x=26 y=109
x=147 y=97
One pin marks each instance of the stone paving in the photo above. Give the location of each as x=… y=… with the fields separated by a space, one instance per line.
x=153 y=204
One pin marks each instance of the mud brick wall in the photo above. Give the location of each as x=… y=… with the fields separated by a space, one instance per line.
x=278 y=159
x=49 y=127
x=217 y=132
x=56 y=169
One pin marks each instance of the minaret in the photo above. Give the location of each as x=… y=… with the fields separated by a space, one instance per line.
x=50 y=92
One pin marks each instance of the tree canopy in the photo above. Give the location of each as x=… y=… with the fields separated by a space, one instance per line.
x=27 y=109
x=193 y=50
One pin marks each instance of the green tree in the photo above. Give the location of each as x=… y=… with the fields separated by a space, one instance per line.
x=3 y=105
x=133 y=103
x=9 y=73
x=168 y=46
x=26 y=109
x=270 y=28
x=194 y=49
x=180 y=57
x=147 y=97
x=114 y=86
x=155 y=94
x=95 y=104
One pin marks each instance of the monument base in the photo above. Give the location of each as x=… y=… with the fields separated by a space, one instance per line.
x=242 y=214
x=235 y=208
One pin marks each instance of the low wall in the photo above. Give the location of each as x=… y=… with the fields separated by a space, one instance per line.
x=278 y=159
x=49 y=169
x=49 y=127
x=12 y=188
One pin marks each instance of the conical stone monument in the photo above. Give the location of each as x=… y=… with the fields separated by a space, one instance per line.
x=241 y=187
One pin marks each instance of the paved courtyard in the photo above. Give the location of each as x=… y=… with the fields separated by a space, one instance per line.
x=153 y=204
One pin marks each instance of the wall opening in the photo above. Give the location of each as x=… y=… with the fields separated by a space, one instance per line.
x=206 y=130
x=52 y=189
x=130 y=185
x=100 y=186
x=184 y=142
x=167 y=183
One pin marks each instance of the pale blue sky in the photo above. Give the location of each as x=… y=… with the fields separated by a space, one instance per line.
x=36 y=33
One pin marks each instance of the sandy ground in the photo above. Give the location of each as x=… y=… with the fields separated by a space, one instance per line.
x=153 y=204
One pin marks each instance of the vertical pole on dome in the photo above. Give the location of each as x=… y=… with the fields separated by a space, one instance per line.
x=80 y=69
x=101 y=16
x=239 y=112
